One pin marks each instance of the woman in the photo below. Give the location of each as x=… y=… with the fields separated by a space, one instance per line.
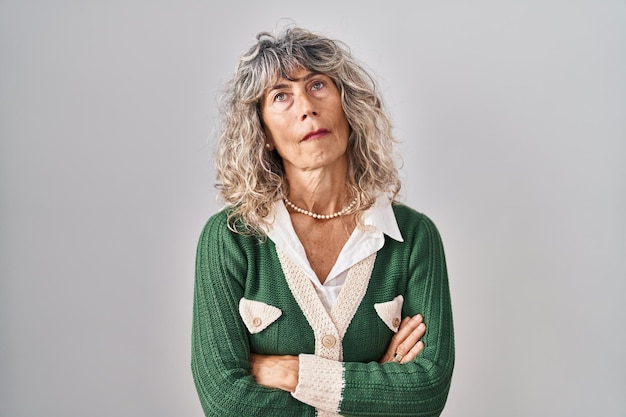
x=303 y=279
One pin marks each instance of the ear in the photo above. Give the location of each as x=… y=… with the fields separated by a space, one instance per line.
x=269 y=140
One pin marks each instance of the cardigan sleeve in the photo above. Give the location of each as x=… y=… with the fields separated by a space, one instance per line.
x=418 y=388
x=220 y=346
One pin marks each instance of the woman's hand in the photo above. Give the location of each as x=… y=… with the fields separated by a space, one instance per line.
x=275 y=371
x=406 y=343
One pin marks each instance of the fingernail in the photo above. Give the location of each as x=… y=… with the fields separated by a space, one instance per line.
x=417 y=317
x=422 y=326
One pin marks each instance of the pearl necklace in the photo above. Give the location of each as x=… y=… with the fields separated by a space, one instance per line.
x=320 y=216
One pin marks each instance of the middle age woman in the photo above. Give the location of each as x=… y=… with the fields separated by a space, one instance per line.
x=313 y=285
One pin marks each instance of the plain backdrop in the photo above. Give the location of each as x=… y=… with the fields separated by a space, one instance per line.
x=511 y=120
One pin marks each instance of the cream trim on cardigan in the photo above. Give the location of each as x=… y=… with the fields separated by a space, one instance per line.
x=257 y=315
x=391 y=312
x=328 y=328
x=320 y=383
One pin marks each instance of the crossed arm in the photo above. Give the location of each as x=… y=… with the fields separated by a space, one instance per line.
x=281 y=371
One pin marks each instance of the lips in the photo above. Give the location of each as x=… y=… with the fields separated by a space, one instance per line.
x=316 y=134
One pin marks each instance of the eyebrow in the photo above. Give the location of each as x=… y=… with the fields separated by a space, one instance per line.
x=293 y=80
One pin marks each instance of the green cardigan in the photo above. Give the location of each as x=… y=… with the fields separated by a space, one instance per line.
x=250 y=297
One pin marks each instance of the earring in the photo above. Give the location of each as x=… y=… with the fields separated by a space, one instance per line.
x=268 y=146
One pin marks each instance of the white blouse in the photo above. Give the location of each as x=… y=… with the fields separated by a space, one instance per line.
x=378 y=221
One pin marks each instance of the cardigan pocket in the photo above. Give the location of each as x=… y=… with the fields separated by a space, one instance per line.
x=257 y=315
x=390 y=312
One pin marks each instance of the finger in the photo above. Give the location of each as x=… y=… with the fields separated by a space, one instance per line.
x=413 y=352
x=409 y=342
x=407 y=326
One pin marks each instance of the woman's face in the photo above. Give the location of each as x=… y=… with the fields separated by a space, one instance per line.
x=304 y=120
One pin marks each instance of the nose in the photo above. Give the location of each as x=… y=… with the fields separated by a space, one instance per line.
x=305 y=107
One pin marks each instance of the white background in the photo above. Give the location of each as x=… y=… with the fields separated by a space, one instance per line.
x=512 y=123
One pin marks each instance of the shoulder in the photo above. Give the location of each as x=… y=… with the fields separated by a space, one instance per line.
x=219 y=245
x=217 y=223
x=221 y=226
x=407 y=216
x=413 y=222
x=216 y=228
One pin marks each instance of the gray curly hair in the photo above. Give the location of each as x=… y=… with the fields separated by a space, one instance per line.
x=251 y=178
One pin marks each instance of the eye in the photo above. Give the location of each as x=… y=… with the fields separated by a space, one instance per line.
x=317 y=85
x=280 y=97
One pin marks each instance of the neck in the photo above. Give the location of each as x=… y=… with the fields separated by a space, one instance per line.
x=320 y=190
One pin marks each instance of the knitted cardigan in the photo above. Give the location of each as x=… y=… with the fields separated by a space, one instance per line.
x=250 y=297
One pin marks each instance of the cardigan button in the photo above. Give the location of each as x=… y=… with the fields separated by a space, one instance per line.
x=396 y=322
x=256 y=322
x=328 y=341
